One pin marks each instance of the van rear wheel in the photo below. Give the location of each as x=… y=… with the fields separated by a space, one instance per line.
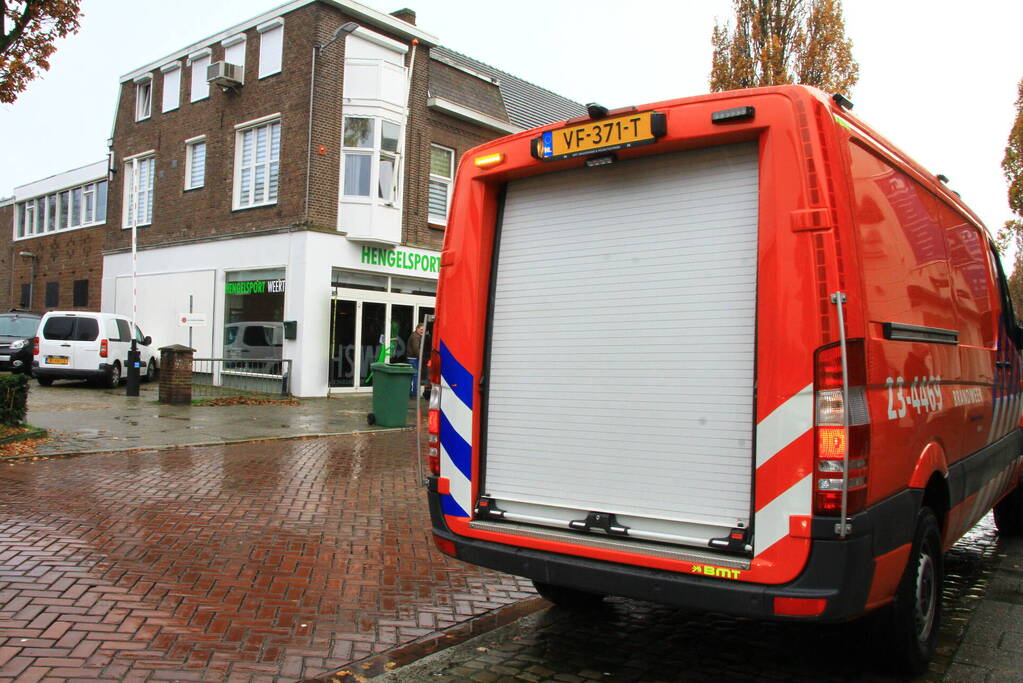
x=1009 y=513
x=569 y=598
x=44 y=381
x=911 y=623
x=114 y=376
x=151 y=371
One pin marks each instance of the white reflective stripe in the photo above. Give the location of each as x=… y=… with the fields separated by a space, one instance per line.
x=772 y=522
x=785 y=424
x=995 y=417
x=461 y=487
x=456 y=412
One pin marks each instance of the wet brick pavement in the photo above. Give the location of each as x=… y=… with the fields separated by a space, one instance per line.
x=247 y=562
x=627 y=640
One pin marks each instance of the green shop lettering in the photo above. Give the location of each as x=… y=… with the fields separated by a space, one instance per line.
x=255 y=287
x=396 y=258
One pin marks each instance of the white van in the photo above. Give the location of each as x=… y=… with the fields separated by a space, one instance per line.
x=85 y=345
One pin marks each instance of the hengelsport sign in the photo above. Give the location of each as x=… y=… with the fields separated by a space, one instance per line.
x=399 y=258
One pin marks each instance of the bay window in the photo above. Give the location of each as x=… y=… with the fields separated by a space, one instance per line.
x=370 y=158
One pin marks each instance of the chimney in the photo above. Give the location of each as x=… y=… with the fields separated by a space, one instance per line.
x=407 y=15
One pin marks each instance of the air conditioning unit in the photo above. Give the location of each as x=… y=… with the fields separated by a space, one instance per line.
x=225 y=75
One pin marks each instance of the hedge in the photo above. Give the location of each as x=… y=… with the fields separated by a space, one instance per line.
x=13 y=399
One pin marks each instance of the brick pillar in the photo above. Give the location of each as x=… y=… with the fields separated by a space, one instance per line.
x=176 y=374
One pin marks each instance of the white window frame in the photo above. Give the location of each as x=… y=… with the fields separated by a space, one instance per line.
x=190 y=146
x=271 y=52
x=199 y=84
x=132 y=177
x=375 y=152
x=240 y=131
x=143 y=97
x=171 y=96
x=34 y=217
x=232 y=42
x=447 y=181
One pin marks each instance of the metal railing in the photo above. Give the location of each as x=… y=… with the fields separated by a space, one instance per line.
x=216 y=377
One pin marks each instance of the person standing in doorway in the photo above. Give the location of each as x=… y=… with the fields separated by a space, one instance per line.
x=415 y=343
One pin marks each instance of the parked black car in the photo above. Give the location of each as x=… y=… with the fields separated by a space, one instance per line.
x=17 y=333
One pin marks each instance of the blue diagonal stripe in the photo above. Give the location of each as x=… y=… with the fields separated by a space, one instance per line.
x=455 y=374
x=450 y=507
x=458 y=449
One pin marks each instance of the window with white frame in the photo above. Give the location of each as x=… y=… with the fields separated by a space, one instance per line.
x=257 y=163
x=171 y=86
x=78 y=207
x=139 y=175
x=234 y=50
x=442 y=167
x=370 y=158
x=143 y=97
x=195 y=163
x=271 y=47
x=200 y=87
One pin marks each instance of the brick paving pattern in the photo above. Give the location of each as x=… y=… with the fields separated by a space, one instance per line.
x=251 y=562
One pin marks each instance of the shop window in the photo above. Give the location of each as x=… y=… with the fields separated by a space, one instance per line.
x=442 y=162
x=254 y=314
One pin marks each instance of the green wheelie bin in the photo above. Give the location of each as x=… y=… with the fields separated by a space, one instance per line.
x=391 y=382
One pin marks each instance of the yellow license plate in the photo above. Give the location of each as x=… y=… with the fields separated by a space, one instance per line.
x=619 y=132
x=56 y=360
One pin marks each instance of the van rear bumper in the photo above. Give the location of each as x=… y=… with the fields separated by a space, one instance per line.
x=838 y=571
x=70 y=373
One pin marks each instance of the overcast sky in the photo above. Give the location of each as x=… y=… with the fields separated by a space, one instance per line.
x=937 y=77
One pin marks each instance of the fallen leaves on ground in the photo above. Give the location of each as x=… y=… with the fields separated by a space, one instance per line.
x=21 y=449
x=245 y=401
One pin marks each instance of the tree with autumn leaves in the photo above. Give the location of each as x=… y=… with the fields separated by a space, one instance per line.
x=1012 y=231
x=28 y=30
x=775 y=42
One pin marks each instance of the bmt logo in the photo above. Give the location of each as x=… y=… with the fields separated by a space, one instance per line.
x=719 y=572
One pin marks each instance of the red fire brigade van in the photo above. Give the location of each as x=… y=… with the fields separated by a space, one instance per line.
x=734 y=352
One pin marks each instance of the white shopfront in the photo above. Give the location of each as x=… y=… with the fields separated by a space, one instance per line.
x=351 y=304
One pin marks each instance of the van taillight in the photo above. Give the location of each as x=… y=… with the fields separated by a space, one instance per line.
x=433 y=415
x=104 y=348
x=35 y=346
x=831 y=445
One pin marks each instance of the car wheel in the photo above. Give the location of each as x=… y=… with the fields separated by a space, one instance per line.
x=114 y=376
x=44 y=381
x=1009 y=513
x=569 y=598
x=912 y=621
x=151 y=371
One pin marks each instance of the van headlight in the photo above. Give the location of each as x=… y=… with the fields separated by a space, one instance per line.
x=18 y=345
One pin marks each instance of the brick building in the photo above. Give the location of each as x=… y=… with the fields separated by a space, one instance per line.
x=294 y=167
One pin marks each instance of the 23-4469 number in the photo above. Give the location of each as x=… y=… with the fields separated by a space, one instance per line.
x=924 y=396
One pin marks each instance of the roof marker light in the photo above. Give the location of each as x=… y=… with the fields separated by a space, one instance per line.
x=489 y=160
x=842 y=101
x=735 y=114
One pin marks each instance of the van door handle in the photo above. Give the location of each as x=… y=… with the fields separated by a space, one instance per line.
x=1003 y=364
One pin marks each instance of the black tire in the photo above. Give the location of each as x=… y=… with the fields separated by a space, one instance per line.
x=151 y=371
x=1009 y=513
x=569 y=598
x=113 y=379
x=911 y=623
x=44 y=381
x=371 y=419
